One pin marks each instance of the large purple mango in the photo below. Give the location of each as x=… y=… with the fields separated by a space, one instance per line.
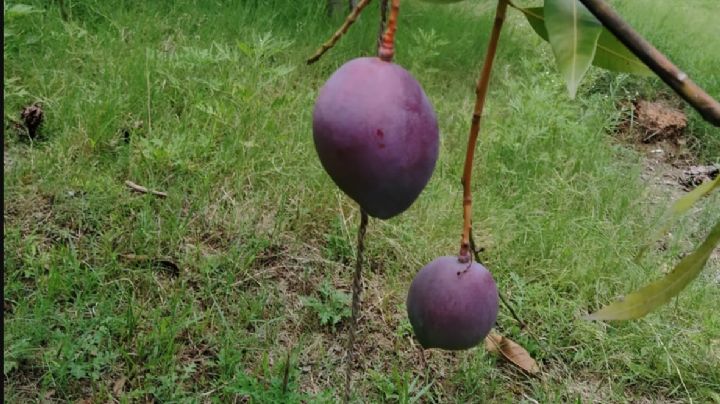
x=452 y=305
x=376 y=134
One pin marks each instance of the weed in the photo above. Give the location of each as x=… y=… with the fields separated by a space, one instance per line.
x=331 y=307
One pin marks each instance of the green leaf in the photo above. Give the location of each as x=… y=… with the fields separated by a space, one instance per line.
x=610 y=54
x=678 y=208
x=536 y=17
x=613 y=55
x=573 y=33
x=652 y=296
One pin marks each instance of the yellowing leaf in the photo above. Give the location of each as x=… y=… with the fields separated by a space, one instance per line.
x=652 y=296
x=680 y=206
x=686 y=202
x=511 y=351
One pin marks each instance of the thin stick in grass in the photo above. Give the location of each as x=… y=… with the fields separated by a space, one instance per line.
x=356 y=291
x=481 y=92
x=340 y=32
x=504 y=301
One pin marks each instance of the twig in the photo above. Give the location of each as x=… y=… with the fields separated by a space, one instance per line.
x=139 y=188
x=500 y=294
x=481 y=92
x=678 y=80
x=340 y=32
x=356 y=290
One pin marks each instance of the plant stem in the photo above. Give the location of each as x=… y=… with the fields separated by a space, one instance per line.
x=387 y=46
x=356 y=290
x=339 y=33
x=502 y=297
x=383 y=22
x=481 y=92
x=678 y=80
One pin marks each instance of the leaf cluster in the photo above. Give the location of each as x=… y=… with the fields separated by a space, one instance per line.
x=332 y=305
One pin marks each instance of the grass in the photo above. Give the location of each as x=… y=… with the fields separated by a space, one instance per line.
x=211 y=103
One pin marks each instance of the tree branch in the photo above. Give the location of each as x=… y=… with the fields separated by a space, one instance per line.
x=678 y=80
x=340 y=32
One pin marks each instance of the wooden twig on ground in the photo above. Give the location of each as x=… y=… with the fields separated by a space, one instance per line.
x=141 y=189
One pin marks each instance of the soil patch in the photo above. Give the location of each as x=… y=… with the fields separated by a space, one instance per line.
x=658 y=129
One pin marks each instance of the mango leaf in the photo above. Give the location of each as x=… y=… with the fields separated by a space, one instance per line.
x=655 y=294
x=686 y=202
x=512 y=351
x=610 y=54
x=573 y=33
x=613 y=55
x=677 y=209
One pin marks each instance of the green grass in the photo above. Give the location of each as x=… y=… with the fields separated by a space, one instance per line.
x=215 y=102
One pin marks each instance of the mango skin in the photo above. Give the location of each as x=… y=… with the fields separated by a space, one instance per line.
x=376 y=134
x=452 y=305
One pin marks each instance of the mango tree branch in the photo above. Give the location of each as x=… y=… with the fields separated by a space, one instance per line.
x=481 y=92
x=679 y=81
x=340 y=32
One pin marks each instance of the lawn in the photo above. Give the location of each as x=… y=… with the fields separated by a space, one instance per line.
x=239 y=278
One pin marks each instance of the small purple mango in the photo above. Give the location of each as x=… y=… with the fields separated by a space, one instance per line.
x=452 y=305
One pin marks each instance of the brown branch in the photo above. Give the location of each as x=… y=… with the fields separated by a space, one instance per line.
x=387 y=45
x=481 y=92
x=139 y=188
x=356 y=291
x=340 y=32
x=678 y=80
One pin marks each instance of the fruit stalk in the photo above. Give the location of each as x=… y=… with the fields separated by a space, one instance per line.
x=340 y=32
x=356 y=290
x=481 y=92
x=383 y=22
x=387 y=47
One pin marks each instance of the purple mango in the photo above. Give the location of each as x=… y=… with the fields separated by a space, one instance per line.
x=376 y=134
x=452 y=305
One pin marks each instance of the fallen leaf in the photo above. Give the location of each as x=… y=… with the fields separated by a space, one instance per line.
x=511 y=351
x=119 y=386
